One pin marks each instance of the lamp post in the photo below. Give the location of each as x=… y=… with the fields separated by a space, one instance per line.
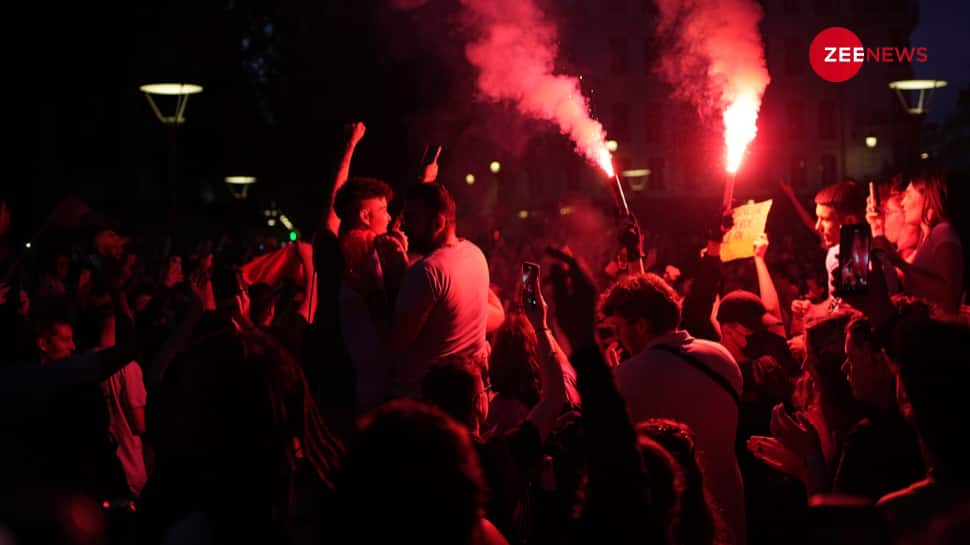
x=239 y=185
x=915 y=96
x=924 y=88
x=181 y=92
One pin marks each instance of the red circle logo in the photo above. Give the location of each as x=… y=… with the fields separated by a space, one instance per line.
x=836 y=54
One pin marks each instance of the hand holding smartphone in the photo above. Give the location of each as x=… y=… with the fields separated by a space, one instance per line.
x=530 y=283
x=855 y=244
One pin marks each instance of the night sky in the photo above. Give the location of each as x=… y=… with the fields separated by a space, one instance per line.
x=942 y=30
x=280 y=79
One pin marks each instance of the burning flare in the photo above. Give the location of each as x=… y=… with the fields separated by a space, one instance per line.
x=718 y=64
x=740 y=128
x=515 y=52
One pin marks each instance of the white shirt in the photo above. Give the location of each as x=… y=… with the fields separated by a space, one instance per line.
x=658 y=384
x=450 y=287
x=124 y=391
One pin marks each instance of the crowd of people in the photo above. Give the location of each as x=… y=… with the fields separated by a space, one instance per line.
x=388 y=380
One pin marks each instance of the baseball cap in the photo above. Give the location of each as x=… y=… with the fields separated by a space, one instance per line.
x=747 y=309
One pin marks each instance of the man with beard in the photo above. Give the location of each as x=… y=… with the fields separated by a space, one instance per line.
x=442 y=308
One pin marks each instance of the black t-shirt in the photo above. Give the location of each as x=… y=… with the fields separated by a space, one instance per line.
x=510 y=463
x=326 y=362
x=881 y=455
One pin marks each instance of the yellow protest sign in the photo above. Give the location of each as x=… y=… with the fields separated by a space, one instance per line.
x=749 y=223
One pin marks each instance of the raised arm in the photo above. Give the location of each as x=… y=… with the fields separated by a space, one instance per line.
x=800 y=209
x=766 y=286
x=355 y=133
x=552 y=360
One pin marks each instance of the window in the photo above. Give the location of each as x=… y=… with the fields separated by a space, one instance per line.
x=656 y=180
x=618 y=55
x=796 y=56
x=827 y=168
x=823 y=7
x=795 y=121
x=827 y=126
x=620 y=127
x=653 y=122
x=797 y=172
x=650 y=50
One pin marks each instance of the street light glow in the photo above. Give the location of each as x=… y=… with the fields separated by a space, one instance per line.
x=871 y=142
x=240 y=180
x=494 y=166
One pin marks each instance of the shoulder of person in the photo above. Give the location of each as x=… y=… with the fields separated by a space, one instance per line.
x=711 y=348
x=944 y=232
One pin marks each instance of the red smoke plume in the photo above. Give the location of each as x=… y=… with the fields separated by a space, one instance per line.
x=718 y=63
x=514 y=50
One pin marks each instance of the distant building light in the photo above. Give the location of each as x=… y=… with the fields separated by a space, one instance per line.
x=271 y=222
x=565 y=210
x=612 y=145
x=871 y=142
x=267 y=213
x=636 y=173
x=523 y=214
x=27 y=245
x=924 y=155
x=495 y=167
x=469 y=179
x=286 y=222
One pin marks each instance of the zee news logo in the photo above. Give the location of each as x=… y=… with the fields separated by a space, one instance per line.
x=837 y=54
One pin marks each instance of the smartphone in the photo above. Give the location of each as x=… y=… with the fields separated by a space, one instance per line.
x=431 y=154
x=530 y=273
x=855 y=243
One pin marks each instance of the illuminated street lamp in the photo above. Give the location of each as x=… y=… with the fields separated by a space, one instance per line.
x=239 y=185
x=179 y=90
x=924 y=88
x=871 y=142
x=495 y=167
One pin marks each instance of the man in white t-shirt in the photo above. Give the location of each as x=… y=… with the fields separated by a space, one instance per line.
x=836 y=205
x=673 y=375
x=442 y=306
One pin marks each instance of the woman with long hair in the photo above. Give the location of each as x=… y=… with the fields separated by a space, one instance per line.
x=698 y=521
x=934 y=270
x=808 y=443
x=514 y=374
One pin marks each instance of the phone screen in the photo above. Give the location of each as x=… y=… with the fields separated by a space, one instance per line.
x=530 y=272
x=854 y=245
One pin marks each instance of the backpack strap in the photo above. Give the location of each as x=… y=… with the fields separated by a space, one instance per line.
x=700 y=366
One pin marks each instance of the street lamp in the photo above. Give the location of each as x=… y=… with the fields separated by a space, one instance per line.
x=924 y=87
x=240 y=182
x=179 y=90
x=871 y=142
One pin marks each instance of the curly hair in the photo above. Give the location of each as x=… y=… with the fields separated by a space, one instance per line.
x=644 y=296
